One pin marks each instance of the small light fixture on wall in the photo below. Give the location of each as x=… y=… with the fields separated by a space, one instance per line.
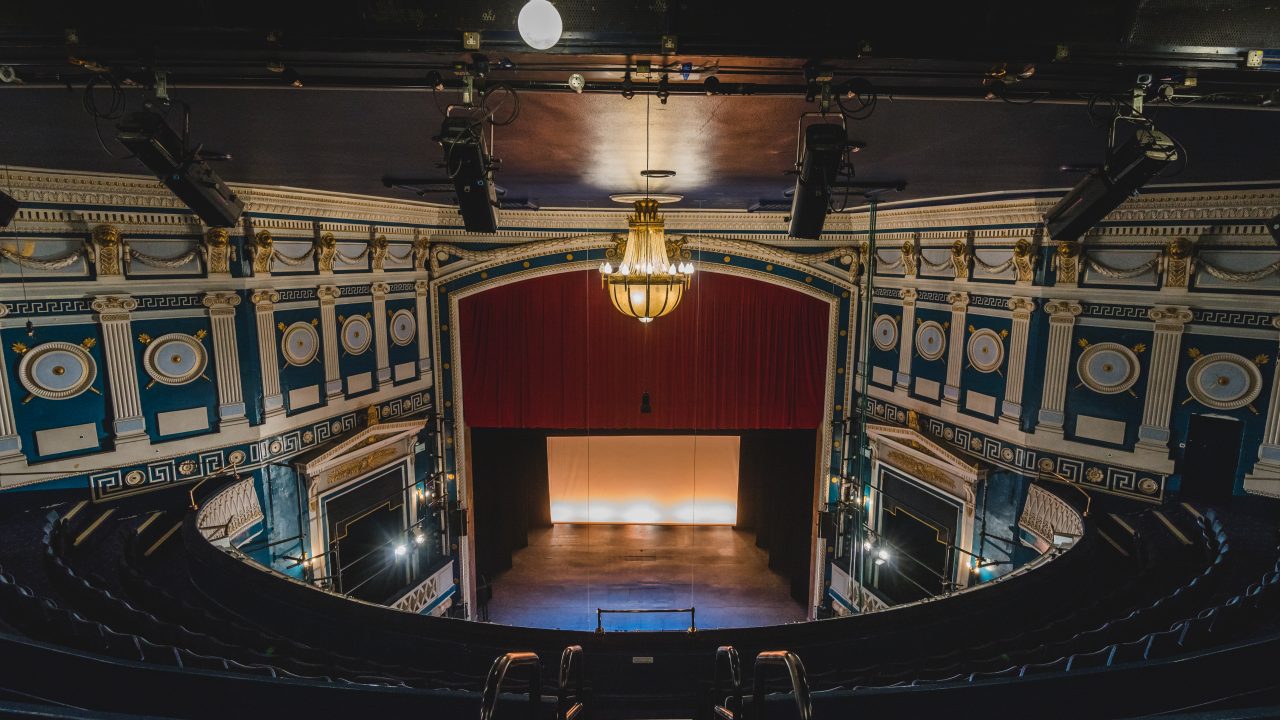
x=645 y=407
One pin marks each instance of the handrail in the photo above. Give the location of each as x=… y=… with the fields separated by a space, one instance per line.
x=1064 y=480
x=728 y=662
x=569 y=706
x=498 y=673
x=795 y=671
x=693 y=625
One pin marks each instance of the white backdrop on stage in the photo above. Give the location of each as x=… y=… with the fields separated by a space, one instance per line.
x=644 y=479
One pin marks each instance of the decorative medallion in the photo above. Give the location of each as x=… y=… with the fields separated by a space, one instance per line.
x=300 y=343
x=1007 y=454
x=175 y=359
x=975 y=442
x=1046 y=465
x=275 y=447
x=308 y=437
x=1093 y=475
x=236 y=457
x=57 y=370
x=336 y=427
x=986 y=350
x=187 y=467
x=1148 y=486
x=357 y=334
x=884 y=331
x=931 y=340
x=1223 y=381
x=134 y=478
x=1108 y=368
x=403 y=327
x=948 y=433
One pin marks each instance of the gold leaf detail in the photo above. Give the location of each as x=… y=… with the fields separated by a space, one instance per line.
x=280 y=326
x=1193 y=353
x=200 y=334
x=1140 y=348
x=314 y=322
x=144 y=338
x=19 y=348
x=1004 y=333
x=88 y=343
x=1082 y=343
x=1261 y=360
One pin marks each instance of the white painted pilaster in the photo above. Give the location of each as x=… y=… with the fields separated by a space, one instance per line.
x=122 y=370
x=328 y=295
x=1062 y=321
x=1265 y=477
x=264 y=307
x=1170 y=321
x=955 y=349
x=380 y=290
x=424 y=332
x=10 y=443
x=906 y=337
x=1011 y=407
x=222 y=316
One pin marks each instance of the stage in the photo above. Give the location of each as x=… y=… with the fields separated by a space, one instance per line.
x=568 y=571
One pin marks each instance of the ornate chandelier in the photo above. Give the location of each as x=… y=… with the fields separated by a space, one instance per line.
x=645 y=274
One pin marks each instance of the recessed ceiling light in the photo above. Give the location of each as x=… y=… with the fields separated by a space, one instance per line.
x=658 y=173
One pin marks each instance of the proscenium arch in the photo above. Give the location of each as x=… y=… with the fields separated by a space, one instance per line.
x=510 y=264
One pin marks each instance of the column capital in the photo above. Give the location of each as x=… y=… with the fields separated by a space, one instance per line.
x=1022 y=306
x=1170 y=317
x=219 y=300
x=420 y=287
x=380 y=288
x=328 y=293
x=1275 y=321
x=4 y=310
x=908 y=295
x=1063 y=309
x=265 y=297
x=113 y=307
x=959 y=300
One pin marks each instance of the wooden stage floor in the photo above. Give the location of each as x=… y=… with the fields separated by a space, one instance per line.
x=568 y=571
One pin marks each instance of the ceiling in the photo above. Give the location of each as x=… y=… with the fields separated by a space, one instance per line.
x=574 y=150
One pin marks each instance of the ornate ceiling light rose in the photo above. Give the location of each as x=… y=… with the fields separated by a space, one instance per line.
x=652 y=272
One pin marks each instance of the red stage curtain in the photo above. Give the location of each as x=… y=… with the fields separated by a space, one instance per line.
x=552 y=352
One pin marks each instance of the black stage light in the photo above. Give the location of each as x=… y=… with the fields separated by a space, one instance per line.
x=1274 y=226
x=628 y=90
x=434 y=80
x=164 y=153
x=1103 y=189
x=711 y=85
x=8 y=208
x=467 y=163
x=663 y=90
x=823 y=146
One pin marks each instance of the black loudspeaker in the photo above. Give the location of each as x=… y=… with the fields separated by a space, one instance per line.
x=1103 y=189
x=1273 y=225
x=458 y=522
x=165 y=154
x=8 y=208
x=820 y=161
x=467 y=163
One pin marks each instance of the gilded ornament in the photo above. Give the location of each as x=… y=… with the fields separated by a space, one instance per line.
x=187 y=467
x=1148 y=486
x=263 y=252
x=106 y=242
x=908 y=258
x=236 y=457
x=1140 y=348
x=326 y=250
x=1024 y=260
x=960 y=259
x=421 y=248
x=144 y=338
x=134 y=478
x=1093 y=475
x=19 y=347
x=1046 y=465
x=88 y=343
x=217 y=250
x=378 y=249
x=308 y=437
x=1261 y=360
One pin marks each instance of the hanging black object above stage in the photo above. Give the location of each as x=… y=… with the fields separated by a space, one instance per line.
x=468 y=164
x=1128 y=168
x=182 y=169
x=823 y=147
x=8 y=208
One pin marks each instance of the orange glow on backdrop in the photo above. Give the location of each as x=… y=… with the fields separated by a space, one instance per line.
x=644 y=479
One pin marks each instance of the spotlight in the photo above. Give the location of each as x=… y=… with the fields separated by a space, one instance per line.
x=577 y=82
x=434 y=80
x=291 y=76
x=8 y=208
x=866 y=545
x=164 y=152
x=401 y=550
x=628 y=91
x=711 y=85
x=419 y=538
x=31 y=329
x=539 y=24
x=664 y=90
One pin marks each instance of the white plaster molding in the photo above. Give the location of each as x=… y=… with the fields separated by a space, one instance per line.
x=122 y=372
x=222 y=318
x=906 y=337
x=1011 y=407
x=264 y=301
x=955 y=351
x=1169 y=323
x=328 y=297
x=1062 y=319
x=381 y=350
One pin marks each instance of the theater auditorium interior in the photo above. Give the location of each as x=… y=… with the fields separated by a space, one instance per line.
x=636 y=360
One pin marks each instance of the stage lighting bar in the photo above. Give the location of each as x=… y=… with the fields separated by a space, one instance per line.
x=183 y=171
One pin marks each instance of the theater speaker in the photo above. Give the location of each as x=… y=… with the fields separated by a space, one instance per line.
x=458 y=521
x=820 y=162
x=8 y=208
x=467 y=163
x=165 y=154
x=1103 y=189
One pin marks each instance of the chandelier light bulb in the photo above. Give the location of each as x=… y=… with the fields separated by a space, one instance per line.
x=606 y=268
x=401 y=550
x=419 y=538
x=539 y=24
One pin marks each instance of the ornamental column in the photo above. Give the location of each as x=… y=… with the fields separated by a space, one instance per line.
x=1170 y=321
x=10 y=443
x=222 y=317
x=1062 y=322
x=122 y=370
x=424 y=332
x=1011 y=408
x=955 y=350
x=380 y=290
x=906 y=337
x=264 y=308
x=328 y=295
x=1269 y=450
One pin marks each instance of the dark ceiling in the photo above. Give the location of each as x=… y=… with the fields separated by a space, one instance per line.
x=574 y=150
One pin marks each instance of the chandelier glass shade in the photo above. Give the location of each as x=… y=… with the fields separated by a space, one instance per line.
x=646 y=274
